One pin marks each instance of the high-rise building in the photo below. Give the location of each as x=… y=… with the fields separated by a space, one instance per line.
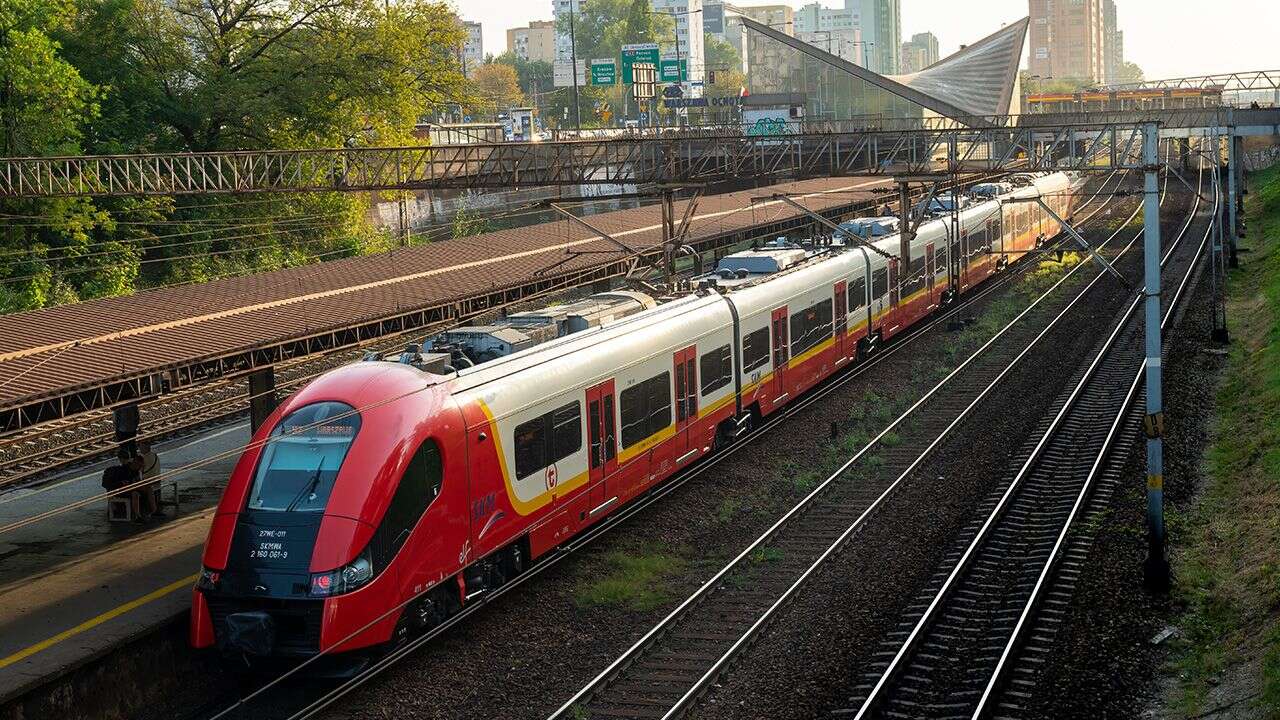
x=536 y=42
x=1112 y=43
x=472 y=48
x=561 y=10
x=779 y=17
x=919 y=53
x=1069 y=39
x=687 y=15
x=881 y=24
x=835 y=30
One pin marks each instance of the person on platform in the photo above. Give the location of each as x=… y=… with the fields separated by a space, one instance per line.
x=150 y=470
x=126 y=472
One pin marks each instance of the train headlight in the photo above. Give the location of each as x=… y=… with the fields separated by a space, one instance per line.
x=346 y=578
x=208 y=579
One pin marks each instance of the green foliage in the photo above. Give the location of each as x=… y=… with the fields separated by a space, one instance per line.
x=719 y=54
x=120 y=76
x=467 y=222
x=534 y=76
x=1229 y=573
x=633 y=580
x=600 y=31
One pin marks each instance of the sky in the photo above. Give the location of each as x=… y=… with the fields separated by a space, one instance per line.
x=1158 y=33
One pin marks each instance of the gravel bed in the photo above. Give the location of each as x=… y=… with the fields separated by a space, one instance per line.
x=819 y=647
x=1109 y=665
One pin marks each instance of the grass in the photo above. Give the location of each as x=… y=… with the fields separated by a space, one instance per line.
x=1229 y=571
x=634 y=580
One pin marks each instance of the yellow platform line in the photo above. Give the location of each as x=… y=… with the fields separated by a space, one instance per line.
x=94 y=622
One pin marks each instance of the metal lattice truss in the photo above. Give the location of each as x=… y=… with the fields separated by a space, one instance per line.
x=1229 y=82
x=634 y=161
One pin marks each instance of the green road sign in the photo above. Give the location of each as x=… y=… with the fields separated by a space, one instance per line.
x=604 y=71
x=667 y=70
x=637 y=53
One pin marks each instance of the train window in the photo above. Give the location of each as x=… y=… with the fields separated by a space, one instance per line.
x=566 y=431
x=755 y=349
x=298 y=466
x=857 y=293
x=646 y=409
x=978 y=241
x=810 y=326
x=879 y=283
x=940 y=261
x=419 y=485
x=915 y=276
x=548 y=439
x=717 y=369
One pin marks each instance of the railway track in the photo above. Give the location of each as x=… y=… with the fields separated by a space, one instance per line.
x=668 y=669
x=265 y=701
x=947 y=660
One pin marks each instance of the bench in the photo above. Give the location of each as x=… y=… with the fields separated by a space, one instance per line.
x=119 y=509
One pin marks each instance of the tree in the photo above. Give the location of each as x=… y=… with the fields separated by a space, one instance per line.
x=534 y=76
x=44 y=102
x=496 y=89
x=719 y=54
x=265 y=73
x=106 y=76
x=1129 y=73
x=600 y=30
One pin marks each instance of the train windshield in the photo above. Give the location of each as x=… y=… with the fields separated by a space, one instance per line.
x=300 y=462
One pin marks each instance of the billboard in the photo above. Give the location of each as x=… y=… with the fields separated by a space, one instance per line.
x=563 y=74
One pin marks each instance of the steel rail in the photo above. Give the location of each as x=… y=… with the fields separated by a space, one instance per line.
x=1086 y=491
x=656 y=494
x=608 y=674
x=875 y=696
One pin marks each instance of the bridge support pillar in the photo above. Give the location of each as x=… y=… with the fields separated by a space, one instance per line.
x=1156 y=568
x=262 y=396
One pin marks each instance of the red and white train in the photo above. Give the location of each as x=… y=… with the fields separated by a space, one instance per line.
x=381 y=485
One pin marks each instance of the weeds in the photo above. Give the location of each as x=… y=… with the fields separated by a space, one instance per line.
x=633 y=580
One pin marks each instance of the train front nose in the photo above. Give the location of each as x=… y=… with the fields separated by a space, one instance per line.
x=262 y=603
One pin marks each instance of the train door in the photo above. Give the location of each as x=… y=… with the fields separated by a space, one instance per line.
x=602 y=442
x=781 y=350
x=929 y=272
x=841 y=317
x=685 y=365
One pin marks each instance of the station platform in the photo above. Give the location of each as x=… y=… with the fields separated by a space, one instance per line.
x=76 y=586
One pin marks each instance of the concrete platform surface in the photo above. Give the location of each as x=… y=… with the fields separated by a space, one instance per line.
x=75 y=586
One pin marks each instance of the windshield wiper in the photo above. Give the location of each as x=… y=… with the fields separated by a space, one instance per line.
x=307 y=489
